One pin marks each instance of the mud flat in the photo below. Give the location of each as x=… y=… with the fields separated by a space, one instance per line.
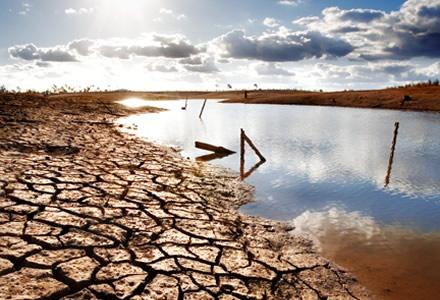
x=87 y=212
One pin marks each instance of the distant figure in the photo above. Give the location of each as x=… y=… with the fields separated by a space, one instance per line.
x=405 y=98
x=245 y=94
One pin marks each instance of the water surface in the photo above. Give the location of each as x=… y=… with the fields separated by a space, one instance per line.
x=325 y=173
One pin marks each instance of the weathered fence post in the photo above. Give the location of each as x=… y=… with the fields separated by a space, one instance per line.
x=393 y=148
x=243 y=140
x=203 y=108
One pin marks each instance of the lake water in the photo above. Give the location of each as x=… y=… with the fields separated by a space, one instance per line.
x=326 y=173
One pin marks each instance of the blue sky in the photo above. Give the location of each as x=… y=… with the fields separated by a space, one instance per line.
x=205 y=44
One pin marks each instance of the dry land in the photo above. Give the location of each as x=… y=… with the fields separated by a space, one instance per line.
x=87 y=212
x=416 y=98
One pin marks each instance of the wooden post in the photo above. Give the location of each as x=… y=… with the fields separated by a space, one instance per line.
x=248 y=140
x=245 y=139
x=203 y=108
x=186 y=104
x=242 y=153
x=213 y=148
x=393 y=148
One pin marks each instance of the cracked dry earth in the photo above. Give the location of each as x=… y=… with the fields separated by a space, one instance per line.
x=87 y=212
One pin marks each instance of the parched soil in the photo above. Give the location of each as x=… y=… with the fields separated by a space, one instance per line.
x=87 y=212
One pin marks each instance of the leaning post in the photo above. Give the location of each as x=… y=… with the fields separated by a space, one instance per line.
x=203 y=108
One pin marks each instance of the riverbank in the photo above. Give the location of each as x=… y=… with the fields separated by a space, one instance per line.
x=89 y=212
x=417 y=98
x=426 y=98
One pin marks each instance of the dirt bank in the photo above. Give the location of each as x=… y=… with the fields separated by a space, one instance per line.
x=87 y=212
x=416 y=98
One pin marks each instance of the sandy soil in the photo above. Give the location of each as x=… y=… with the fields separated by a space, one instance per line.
x=87 y=212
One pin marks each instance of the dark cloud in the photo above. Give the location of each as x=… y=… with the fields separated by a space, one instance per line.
x=281 y=46
x=429 y=12
x=195 y=60
x=82 y=47
x=31 y=52
x=204 y=65
x=412 y=31
x=157 y=46
x=361 y=15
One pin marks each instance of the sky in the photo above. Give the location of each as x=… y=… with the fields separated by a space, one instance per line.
x=208 y=44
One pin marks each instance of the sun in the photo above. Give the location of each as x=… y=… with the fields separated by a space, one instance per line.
x=125 y=16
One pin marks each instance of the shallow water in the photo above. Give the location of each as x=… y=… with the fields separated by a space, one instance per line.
x=325 y=173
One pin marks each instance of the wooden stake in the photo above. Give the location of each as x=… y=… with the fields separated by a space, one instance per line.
x=245 y=139
x=203 y=108
x=213 y=148
x=248 y=140
x=242 y=154
x=393 y=148
x=186 y=104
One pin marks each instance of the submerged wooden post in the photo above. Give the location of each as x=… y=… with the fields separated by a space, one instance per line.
x=203 y=108
x=243 y=140
x=186 y=104
x=248 y=140
x=242 y=153
x=393 y=148
x=216 y=149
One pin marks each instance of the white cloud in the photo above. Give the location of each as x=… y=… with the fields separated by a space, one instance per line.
x=169 y=14
x=290 y=2
x=271 y=22
x=161 y=67
x=26 y=8
x=79 y=11
x=271 y=69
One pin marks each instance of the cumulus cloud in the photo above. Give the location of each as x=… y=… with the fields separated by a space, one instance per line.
x=200 y=64
x=82 y=47
x=31 y=52
x=370 y=72
x=170 y=14
x=282 y=45
x=271 y=69
x=154 y=45
x=412 y=31
x=271 y=22
x=290 y=2
x=79 y=11
x=194 y=60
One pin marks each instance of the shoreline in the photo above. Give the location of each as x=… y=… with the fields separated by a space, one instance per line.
x=418 y=98
x=88 y=211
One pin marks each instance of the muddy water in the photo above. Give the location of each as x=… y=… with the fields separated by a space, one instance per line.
x=326 y=173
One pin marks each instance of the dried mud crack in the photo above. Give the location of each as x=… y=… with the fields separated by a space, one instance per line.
x=89 y=213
